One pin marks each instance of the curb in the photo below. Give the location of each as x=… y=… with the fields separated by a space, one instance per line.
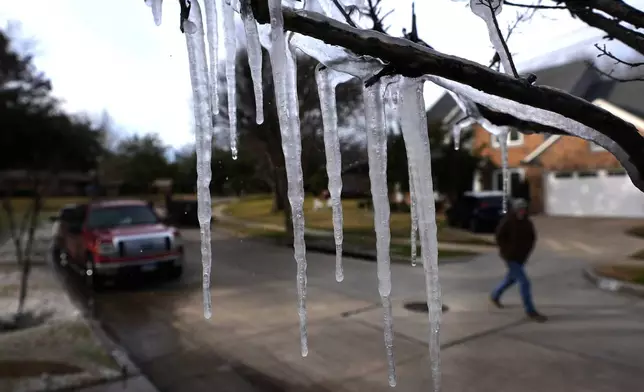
x=613 y=285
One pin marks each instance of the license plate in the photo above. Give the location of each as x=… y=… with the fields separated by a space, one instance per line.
x=148 y=267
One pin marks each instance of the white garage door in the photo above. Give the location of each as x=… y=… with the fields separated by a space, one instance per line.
x=593 y=194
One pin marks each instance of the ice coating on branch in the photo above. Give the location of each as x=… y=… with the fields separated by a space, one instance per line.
x=157 y=6
x=537 y=115
x=283 y=68
x=213 y=56
x=377 y=149
x=488 y=10
x=503 y=144
x=414 y=127
x=337 y=58
x=230 y=41
x=326 y=91
x=203 y=138
x=254 y=57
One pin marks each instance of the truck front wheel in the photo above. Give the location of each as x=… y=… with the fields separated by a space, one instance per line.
x=176 y=272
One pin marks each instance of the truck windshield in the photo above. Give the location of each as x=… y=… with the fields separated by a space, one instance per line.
x=115 y=216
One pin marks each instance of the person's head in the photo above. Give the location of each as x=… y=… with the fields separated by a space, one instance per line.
x=520 y=208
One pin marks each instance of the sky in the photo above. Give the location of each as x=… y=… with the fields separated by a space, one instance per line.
x=110 y=56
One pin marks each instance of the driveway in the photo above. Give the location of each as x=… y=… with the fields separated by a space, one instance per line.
x=590 y=238
x=594 y=342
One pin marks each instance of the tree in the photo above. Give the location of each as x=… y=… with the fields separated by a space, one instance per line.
x=140 y=160
x=38 y=141
x=502 y=99
x=263 y=142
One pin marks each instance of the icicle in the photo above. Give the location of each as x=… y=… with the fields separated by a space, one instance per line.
x=503 y=143
x=157 y=6
x=377 y=149
x=254 y=57
x=487 y=10
x=326 y=92
x=203 y=135
x=230 y=42
x=414 y=217
x=414 y=127
x=457 y=129
x=213 y=45
x=283 y=68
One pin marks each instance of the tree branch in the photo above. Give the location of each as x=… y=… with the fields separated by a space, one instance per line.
x=414 y=60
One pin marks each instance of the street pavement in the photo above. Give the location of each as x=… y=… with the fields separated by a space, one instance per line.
x=594 y=340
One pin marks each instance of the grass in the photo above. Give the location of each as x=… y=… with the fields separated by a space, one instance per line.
x=628 y=273
x=399 y=252
x=357 y=222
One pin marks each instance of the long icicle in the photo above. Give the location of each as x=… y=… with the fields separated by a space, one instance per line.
x=414 y=127
x=157 y=7
x=414 y=216
x=230 y=41
x=326 y=92
x=284 y=77
x=203 y=137
x=213 y=55
x=503 y=144
x=254 y=57
x=377 y=149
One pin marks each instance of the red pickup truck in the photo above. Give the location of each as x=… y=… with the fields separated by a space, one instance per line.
x=108 y=238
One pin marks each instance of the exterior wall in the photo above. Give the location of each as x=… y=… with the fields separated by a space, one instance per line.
x=571 y=153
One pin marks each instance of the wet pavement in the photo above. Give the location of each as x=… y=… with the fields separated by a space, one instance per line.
x=594 y=341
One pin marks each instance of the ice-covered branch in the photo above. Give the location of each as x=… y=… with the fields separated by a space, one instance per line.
x=414 y=60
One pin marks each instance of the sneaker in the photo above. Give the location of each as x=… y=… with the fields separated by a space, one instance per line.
x=496 y=302
x=538 y=317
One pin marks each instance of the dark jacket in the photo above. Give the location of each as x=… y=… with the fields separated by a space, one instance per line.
x=515 y=238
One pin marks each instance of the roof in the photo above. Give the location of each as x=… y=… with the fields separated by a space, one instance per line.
x=576 y=78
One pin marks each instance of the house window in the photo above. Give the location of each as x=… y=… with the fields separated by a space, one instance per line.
x=585 y=174
x=515 y=138
x=515 y=177
x=564 y=174
x=616 y=172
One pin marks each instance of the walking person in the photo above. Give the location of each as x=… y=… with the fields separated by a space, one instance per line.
x=516 y=237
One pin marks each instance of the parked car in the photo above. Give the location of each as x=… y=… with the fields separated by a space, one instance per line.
x=477 y=211
x=111 y=237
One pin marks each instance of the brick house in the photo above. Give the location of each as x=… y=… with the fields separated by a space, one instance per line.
x=563 y=175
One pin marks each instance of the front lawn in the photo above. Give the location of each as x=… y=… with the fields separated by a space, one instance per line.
x=358 y=222
x=628 y=273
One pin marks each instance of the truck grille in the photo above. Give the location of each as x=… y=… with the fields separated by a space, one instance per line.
x=143 y=246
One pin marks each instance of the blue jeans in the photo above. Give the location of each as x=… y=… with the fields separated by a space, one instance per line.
x=516 y=274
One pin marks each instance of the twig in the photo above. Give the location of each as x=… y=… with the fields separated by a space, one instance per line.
x=536 y=6
x=607 y=53
x=615 y=78
x=504 y=44
x=346 y=16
